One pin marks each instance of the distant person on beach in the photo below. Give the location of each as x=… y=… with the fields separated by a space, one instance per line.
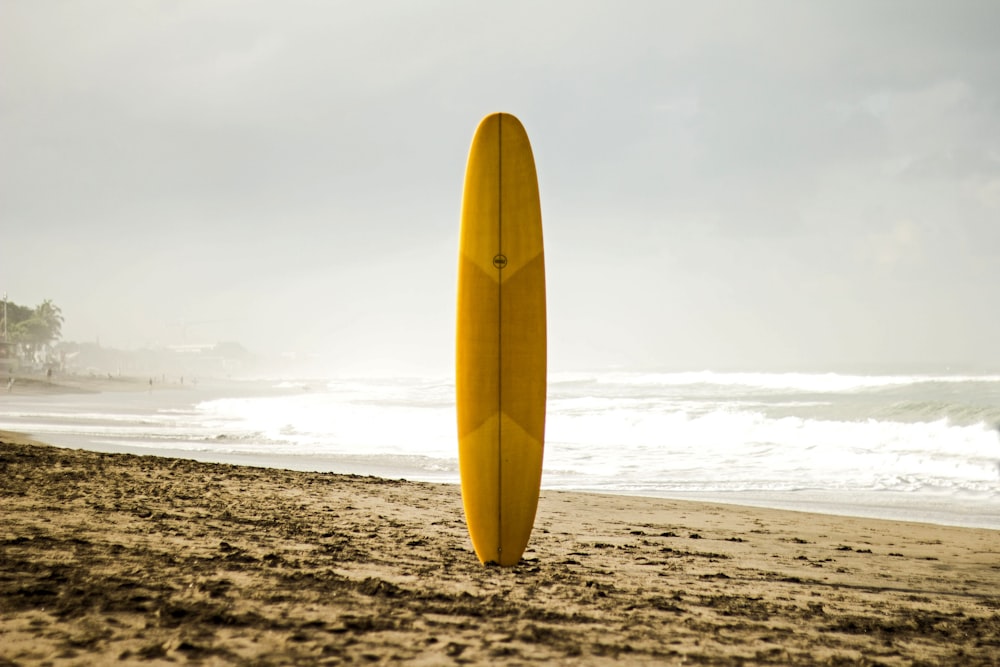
x=10 y=384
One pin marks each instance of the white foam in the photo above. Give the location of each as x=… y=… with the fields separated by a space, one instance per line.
x=656 y=434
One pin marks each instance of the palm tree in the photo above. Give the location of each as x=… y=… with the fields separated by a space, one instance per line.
x=51 y=316
x=39 y=329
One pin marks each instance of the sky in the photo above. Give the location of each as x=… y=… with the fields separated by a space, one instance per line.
x=775 y=185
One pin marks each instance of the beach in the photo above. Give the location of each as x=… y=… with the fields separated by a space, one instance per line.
x=116 y=558
x=36 y=384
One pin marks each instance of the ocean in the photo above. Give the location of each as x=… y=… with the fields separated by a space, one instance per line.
x=913 y=447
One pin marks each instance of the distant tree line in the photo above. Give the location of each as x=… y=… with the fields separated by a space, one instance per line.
x=31 y=328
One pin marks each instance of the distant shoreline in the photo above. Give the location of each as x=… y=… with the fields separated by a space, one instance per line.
x=74 y=383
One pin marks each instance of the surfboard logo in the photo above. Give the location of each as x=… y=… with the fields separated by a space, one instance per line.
x=500 y=261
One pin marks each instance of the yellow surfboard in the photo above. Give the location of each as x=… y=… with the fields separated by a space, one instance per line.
x=500 y=343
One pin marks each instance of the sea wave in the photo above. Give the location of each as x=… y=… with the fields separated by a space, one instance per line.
x=804 y=382
x=920 y=436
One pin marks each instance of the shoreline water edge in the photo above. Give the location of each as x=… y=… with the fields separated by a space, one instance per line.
x=908 y=447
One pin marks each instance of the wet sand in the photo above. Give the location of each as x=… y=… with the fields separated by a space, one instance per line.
x=119 y=559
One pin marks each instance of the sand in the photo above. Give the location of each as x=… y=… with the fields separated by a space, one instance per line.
x=119 y=559
x=72 y=383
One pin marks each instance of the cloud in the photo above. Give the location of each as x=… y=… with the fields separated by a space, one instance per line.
x=776 y=177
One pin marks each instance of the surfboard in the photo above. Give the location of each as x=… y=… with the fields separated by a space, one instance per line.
x=500 y=369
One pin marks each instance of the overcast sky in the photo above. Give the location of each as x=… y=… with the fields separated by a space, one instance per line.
x=724 y=184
